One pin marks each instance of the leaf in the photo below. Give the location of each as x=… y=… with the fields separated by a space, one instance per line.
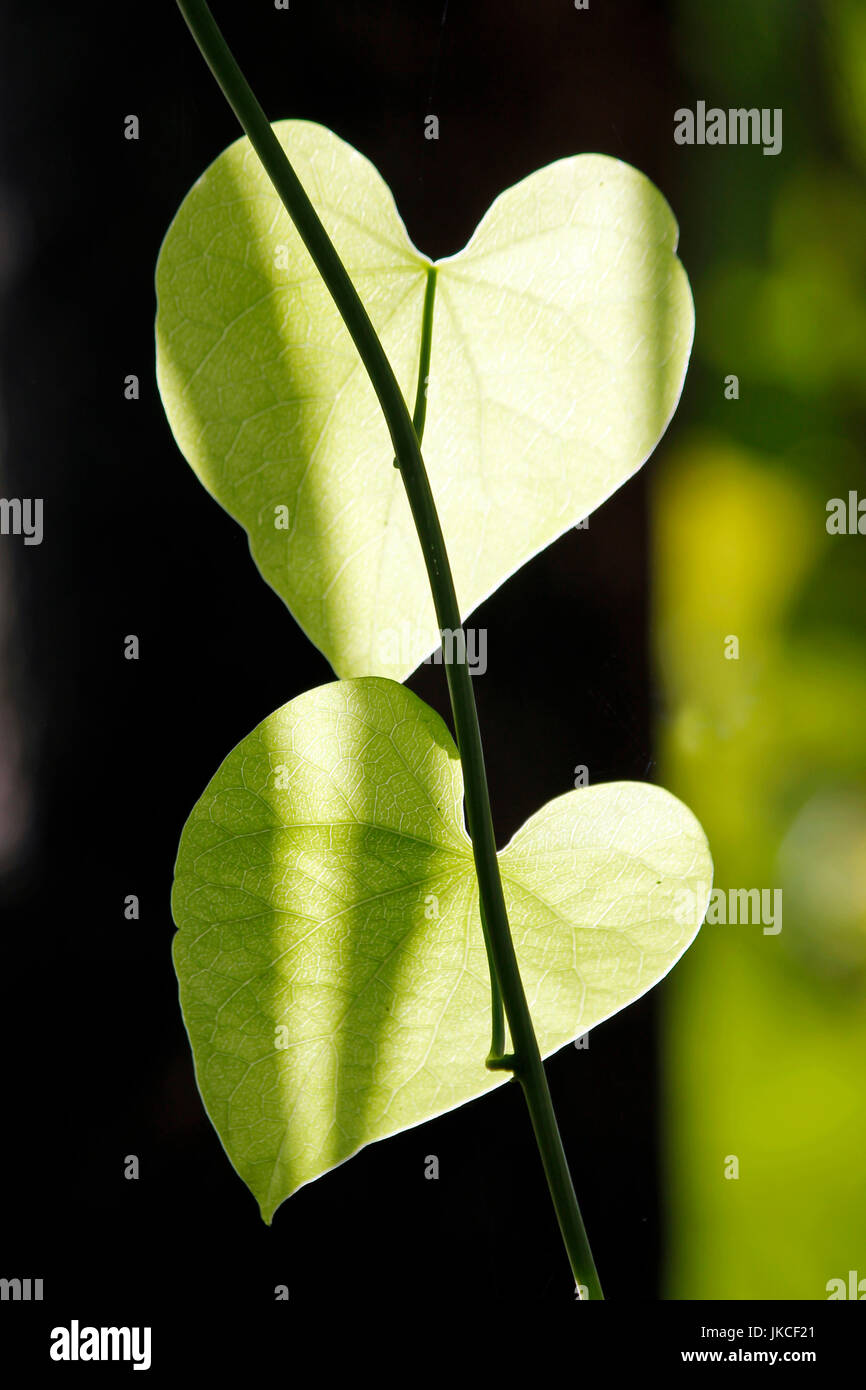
x=325 y=887
x=560 y=340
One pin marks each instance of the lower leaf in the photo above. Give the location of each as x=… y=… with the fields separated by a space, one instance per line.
x=332 y=970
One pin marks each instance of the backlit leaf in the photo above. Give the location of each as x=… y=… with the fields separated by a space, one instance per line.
x=561 y=335
x=332 y=969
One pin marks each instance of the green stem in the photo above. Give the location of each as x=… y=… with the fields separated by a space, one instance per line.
x=419 y=416
x=506 y=984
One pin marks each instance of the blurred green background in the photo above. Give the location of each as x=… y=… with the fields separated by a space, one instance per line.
x=765 y=1034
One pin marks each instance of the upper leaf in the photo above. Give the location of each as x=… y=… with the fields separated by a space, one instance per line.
x=560 y=340
x=332 y=969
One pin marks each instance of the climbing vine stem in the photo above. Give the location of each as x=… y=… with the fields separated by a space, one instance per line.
x=507 y=993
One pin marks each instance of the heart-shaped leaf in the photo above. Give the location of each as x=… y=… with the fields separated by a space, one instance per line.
x=332 y=969
x=560 y=339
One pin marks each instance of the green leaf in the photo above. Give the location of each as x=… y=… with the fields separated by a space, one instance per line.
x=325 y=887
x=560 y=340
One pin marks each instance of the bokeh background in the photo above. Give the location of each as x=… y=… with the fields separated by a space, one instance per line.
x=765 y=1034
x=608 y=650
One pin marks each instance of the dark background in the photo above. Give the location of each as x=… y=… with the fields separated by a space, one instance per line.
x=108 y=756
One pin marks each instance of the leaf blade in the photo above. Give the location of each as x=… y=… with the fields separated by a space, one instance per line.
x=303 y=892
x=547 y=388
